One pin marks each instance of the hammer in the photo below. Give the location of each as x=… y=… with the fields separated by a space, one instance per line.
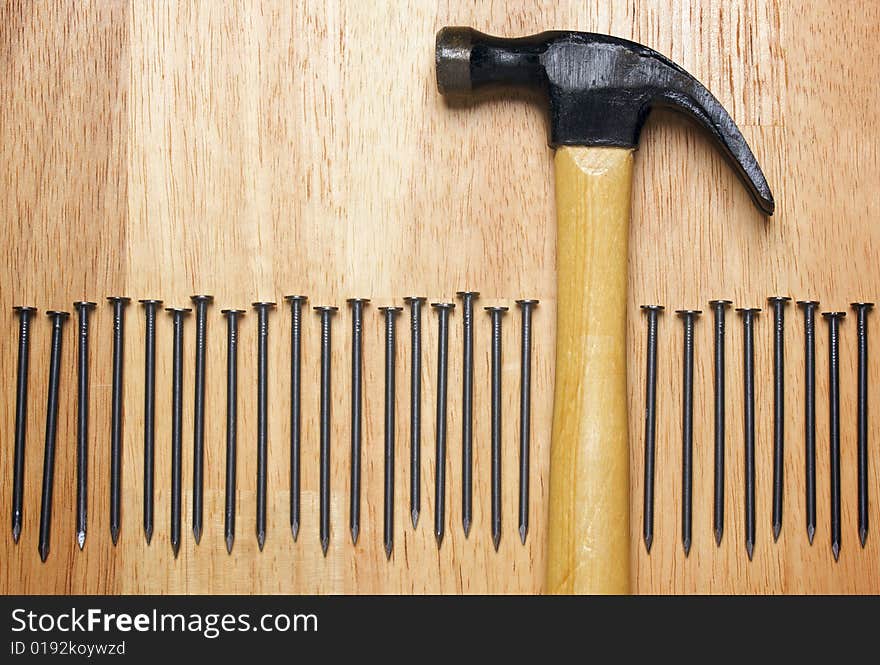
x=599 y=91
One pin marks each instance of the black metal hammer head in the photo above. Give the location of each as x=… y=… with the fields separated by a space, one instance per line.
x=600 y=89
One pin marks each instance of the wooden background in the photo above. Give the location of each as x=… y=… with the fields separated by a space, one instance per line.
x=255 y=149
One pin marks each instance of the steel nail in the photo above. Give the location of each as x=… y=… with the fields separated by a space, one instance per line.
x=357 y=350
x=689 y=317
x=263 y=309
x=653 y=312
x=525 y=412
x=25 y=316
x=201 y=303
x=443 y=310
x=232 y=318
x=415 y=401
x=83 y=308
x=809 y=308
x=178 y=315
x=862 y=311
x=119 y=304
x=390 y=314
x=834 y=319
x=296 y=304
x=326 y=359
x=150 y=309
x=497 y=314
x=748 y=315
x=58 y=319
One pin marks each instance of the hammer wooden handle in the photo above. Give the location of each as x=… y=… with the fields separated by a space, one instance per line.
x=589 y=534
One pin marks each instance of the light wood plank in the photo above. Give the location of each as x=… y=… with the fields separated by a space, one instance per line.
x=256 y=149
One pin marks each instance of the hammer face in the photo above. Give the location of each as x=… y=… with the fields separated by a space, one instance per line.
x=452 y=59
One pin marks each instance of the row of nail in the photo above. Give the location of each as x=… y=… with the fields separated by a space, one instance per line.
x=201 y=304
x=778 y=305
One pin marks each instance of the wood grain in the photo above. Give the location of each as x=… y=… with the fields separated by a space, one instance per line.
x=255 y=149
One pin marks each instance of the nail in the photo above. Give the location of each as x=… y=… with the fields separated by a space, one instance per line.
x=201 y=303
x=809 y=309
x=748 y=315
x=834 y=319
x=390 y=387
x=357 y=350
x=58 y=319
x=326 y=343
x=415 y=401
x=232 y=318
x=525 y=412
x=778 y=303
x=720 y=308
x=82 y=421
x=497 y=313
x=178 y=315
x=689 y=317
x=119 y=304
x=25 y=316
x=653 y=312
x=150 y=308
x=467 y=403
x=862 y=311
x=443 y=310
x=296 y=303
x=263 y=309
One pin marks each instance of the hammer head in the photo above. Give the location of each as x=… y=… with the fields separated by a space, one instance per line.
x=600 y=89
